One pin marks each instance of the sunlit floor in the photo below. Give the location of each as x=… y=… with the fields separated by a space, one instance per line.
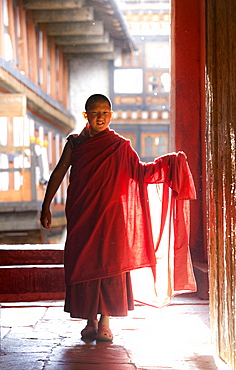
x=40 y=335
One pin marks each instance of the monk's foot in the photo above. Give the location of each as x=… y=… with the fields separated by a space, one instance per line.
x=104 y=334
x=90 y=330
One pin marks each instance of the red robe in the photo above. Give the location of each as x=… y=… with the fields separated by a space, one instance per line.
x=108 y=218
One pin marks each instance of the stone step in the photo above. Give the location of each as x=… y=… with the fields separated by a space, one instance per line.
x=31 y=282
x=29 y=254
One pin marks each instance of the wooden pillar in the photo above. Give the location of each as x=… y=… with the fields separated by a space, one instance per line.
x=45 y=58
x=188 y=107
x=60 y=77
x=53 y=68
x=221 y=170
x=65 y=82
x=23 y=46
x=32 y=48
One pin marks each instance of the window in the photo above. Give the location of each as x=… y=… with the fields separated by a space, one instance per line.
x=8 y=49
x=148 y=147
x=39 y=41
x=165 y=115
x=18 y=131
x=4 y=176
x=165 y=82
x=128 y=81
x=152 y=83
x=17 y=32
x=3 y=136
x=153 y=144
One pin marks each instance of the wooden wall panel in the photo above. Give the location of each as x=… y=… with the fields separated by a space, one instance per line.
x=221 y=162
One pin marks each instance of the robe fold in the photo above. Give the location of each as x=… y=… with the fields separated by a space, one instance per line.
x=108 y=218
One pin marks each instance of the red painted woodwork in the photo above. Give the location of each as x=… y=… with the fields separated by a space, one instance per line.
x=187 y=105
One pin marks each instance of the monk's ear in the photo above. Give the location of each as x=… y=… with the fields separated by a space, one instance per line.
x=85 y=115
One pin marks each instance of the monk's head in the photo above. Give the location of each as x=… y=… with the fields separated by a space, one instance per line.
x=98 y=112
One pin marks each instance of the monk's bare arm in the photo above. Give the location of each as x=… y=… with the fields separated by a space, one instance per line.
x=53 y=185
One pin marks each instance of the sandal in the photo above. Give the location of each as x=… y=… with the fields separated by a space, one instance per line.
x=89 y=331
x=104 y=334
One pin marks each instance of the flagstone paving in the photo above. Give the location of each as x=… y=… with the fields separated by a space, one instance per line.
x=40 y=335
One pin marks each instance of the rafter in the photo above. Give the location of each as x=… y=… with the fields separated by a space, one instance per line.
x=93 y=48
x=53 y=4
x=70 y=15
x=80 y=40
x=99 y=56
x=75 y=28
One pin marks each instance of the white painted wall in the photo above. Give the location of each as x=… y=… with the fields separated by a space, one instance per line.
x=87 y=77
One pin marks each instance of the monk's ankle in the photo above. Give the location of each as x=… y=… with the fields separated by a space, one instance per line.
x=92 y=322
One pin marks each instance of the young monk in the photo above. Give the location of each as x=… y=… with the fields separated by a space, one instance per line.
x=108 y=219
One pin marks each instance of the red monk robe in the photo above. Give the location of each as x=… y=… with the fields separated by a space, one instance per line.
x=108 y=218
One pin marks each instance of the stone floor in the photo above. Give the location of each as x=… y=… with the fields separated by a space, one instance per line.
x=40 y=335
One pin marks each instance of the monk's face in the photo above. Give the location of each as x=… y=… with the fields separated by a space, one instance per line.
x=99 y=116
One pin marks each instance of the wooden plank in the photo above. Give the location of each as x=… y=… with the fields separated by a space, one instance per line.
x=12 y=105
x=75 y=28
x=53 y=4
x=94 y=48
x=69 y=15
x=80 y=40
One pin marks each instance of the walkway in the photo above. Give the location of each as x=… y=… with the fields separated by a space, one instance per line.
x=40 y=335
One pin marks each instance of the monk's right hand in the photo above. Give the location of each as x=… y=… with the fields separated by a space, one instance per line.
x=46 y=218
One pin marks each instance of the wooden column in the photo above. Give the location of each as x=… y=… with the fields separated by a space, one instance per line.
x=65 y=82
x=32 y=48
x=53 y=72
x=23 y=46
x=60 y=76
x=45 y=57
x=221 y=168
x=187 y=105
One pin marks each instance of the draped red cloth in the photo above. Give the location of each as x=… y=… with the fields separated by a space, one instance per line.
x=108 y=218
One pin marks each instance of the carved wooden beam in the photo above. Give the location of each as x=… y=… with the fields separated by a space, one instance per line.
x=94 y=48
x=53 y=4
x=68 y=15
x=80 y=40
x=75 y=28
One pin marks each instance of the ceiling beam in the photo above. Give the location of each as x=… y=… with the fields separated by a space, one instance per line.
x=80 y=40
x=68 y=15
x=93 y=48
x=97 y=56
x=53 y=4
x=75 y=28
